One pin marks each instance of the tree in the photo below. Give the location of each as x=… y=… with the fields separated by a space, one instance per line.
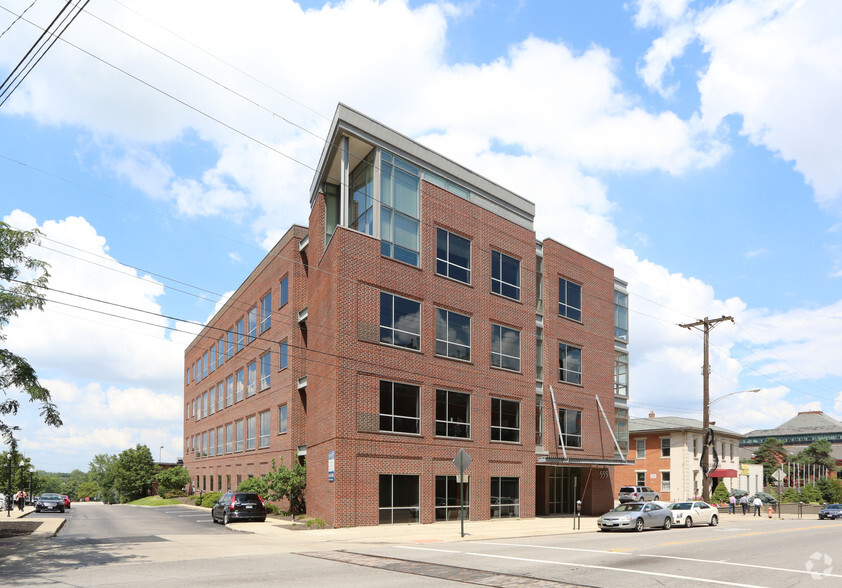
x=720 y=495
x=172 y=479
x=88 y=489
x=288 y=483
x=771 y=454
x=103 y=471
x=15 y=295
x=818 y=453
x=135 y=472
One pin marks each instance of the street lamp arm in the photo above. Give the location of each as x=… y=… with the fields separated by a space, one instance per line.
x=752 y=391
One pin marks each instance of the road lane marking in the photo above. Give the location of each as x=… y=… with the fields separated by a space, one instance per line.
x=581 y=565
x=657 y=556
x=751 y=534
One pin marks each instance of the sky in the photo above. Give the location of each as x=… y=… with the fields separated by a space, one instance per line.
x=163 y=147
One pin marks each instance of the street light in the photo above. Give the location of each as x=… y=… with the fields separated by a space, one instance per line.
x=160 y=454
x=9 y=489
x=706 y=425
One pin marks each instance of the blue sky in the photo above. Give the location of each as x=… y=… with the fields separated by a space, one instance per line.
x=693 y=146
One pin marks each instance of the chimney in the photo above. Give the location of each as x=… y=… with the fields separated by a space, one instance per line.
x=651 y=414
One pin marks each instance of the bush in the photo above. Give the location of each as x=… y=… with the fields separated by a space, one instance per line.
x=175 y=494
x=272 y=508
x=790 y=495
x=764 y=498
x=720 y=495
x=315 y=522
x=256 y=485
x=811 y=494
x=831 y=489
x=208 y=499
x=198 y=500
x=737 y=493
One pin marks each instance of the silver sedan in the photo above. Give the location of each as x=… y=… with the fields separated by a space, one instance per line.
x=690 y=513
x=635 y=515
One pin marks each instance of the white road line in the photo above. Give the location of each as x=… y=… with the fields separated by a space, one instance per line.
x=581 y=565
x=707 y=561
x=198 y=514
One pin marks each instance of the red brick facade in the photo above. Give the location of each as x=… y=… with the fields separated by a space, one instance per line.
x=338 y=349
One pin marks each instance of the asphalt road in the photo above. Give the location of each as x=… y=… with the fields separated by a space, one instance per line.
x=129 y=546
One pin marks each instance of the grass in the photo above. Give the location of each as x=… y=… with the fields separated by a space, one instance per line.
x=156 y=501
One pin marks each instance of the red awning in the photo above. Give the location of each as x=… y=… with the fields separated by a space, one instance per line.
x=722 y=473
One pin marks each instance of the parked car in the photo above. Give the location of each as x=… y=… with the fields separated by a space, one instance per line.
x=49 y=502
x=637 y=494
x=66 y=499
x=691 y=512
x=831 y=511
x=637 y=516
x=238 y=506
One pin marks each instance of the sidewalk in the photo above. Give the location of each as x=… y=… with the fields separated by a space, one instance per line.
x=49 y=526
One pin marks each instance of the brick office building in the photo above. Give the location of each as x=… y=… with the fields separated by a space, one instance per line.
x=417 y=315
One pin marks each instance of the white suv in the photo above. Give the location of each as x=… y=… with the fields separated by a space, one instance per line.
x=637 y=494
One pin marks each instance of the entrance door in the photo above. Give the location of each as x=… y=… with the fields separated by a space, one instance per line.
x=564 y=484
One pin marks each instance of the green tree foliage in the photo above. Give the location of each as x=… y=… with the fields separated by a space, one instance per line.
x=831 y=489
x=257 y=485
x=811 y=493
x=87 y=489
x=174 y=478
x=720 y=495
x=771 y=454
x=20 y=475
x=819 y=453
x=16 y=295
x=103 y=471
x=790 y=495
x=288 y=483
x=135 y=472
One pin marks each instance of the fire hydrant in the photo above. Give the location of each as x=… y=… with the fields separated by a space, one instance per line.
x=770 y=512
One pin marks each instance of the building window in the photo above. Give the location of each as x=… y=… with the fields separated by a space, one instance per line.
x=400 y=321
x=640 y=447
x=220 y=352
x=569 y=299
x=204 y=444
x=453 y=256
x=571 y=427
x=241 y=333
x=264 y=429
x=284 y=291
x=266 y=312
x=212 y=364
x=665 y=481
x=621 y=374
x=205 y=365
x=569 y=364
x=282 y=418
x=220 y=441
x=539 y=420
x=361 y=194
x=453 y=335
x=665 y=447
x=205 y=405
x=621 y=416
x=212 y=442
x=229 y=391
x=199 y=370
x=399 y=407
x=398 y=499
x=505 y=497
x=453 y=414
x=251 y=432
x=505 y=348
x=450 y=497
x=505 y=275
x=505 y=420
x=212 y=401
x=240 y=386
x=695 y=447
x=265 y=370
x=399 y=208
x=640 y=478
x=220 y=396
x=229 y=348
x=251 y=379
x=252 y=324
x=229 y=438
x=283 y=352
x=732 y=451
x=621 y=315
x=238 y=436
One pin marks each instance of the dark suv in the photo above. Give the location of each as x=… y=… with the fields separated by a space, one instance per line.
x=637 y=494
x=238 y=506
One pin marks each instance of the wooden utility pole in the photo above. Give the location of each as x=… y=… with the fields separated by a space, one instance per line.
x=705 y=325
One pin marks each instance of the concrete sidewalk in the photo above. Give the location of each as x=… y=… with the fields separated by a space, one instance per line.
x=49 y=527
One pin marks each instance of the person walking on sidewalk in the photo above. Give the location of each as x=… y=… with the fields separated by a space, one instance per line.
x=732 y=505
x=744 y=503
x=757 y=504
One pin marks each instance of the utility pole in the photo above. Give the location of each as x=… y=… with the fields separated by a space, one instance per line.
x=705 y=325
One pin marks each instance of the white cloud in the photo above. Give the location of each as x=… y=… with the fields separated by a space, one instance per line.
x=751 y=254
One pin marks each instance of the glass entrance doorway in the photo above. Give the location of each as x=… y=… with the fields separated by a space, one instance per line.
x=564 y=483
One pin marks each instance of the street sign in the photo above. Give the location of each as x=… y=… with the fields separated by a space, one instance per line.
x=462 y=461
x=779 y=476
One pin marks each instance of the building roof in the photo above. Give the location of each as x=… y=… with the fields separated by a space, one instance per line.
x=670 y=423
x=804 y=423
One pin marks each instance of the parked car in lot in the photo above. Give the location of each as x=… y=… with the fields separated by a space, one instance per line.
x=49 y=502
x=66 y=499
x=636 y=494
x=689 y=513
x=637 y=516
x=831 y=511
x=238 y=506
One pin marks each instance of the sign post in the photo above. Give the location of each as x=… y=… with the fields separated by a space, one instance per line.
x=462 y=461
x=779 y=477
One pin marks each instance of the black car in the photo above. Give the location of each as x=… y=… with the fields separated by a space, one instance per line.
x=238 y=506
x=831 y=511
x=49 y=502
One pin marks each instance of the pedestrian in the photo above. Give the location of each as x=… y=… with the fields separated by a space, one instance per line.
x=732 y=505
x=757 y=504
x=744 y=503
